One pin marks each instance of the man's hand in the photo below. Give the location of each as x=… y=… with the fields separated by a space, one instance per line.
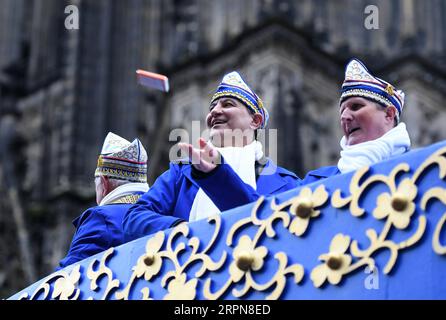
x=204 y=159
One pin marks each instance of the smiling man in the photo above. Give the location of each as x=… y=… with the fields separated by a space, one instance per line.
x=226 y=172
x=370 y=110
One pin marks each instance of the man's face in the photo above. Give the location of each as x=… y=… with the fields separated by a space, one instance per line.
x=228 y=114
x=363 y=120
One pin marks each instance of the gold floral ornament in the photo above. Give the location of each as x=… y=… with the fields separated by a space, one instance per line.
x=398 y=207
x=65 y=288
x=303 y=208
x=180 y=289
x=246 y=258
x=336 y=262
x=150 y=263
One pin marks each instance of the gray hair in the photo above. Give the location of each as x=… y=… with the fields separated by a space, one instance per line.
x=117 y=182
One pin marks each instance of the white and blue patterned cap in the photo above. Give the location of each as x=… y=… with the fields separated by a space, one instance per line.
x=233 y=85
x=359 y=82
x=121 y=159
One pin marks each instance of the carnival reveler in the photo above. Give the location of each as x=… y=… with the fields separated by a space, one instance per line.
x=370 y=111
x=120 y=179
x=227 y=172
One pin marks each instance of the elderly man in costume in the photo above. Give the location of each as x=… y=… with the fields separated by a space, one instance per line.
x=120 y=179
x=227 y=173
x=370 y=110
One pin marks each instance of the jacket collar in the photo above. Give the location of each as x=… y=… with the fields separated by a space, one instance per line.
x=324 y=172
x=269 y=183
x=186 y=170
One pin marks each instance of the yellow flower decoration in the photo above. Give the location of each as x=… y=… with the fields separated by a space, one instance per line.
x=150 y=263
x=303 y=208
x=246 y=257
x=65 y=287
x=179 y=289
x=398 y=206
x=336 y=262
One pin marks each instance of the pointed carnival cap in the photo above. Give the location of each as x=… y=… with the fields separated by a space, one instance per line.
x=359 y=82
x=121 y=159
x=233 y=85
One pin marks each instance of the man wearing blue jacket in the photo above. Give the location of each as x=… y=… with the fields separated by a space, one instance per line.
x=120 y=179
x=370 y=110
x=228 y=171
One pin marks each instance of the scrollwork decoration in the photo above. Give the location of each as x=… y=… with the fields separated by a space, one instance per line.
x=103 y=270
x=397 y=207
x=246 y=255
x=65 y=286
x=440 y=194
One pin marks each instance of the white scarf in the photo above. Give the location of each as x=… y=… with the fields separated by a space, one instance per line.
x=123 y=190
x=242 y=161
x=393 y=143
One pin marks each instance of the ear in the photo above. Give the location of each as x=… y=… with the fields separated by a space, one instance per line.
x=256 y=121
x=390 y=114
x=105 y=185
x=208 y=120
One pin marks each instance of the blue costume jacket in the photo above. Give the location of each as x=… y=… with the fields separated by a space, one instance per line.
x=170 y=199
x=97 y=229
x=320 y=173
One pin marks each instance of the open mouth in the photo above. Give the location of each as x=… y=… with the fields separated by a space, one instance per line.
x=217 y=122
x=350 y=131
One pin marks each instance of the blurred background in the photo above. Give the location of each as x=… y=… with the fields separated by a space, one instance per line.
x=62 y=91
